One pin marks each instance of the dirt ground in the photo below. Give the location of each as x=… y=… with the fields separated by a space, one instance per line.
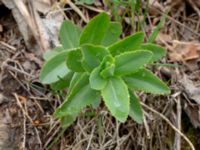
x=26 y=106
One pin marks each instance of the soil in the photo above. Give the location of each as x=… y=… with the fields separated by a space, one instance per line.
x=17 y=80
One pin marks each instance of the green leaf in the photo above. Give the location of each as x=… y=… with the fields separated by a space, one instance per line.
x=130 y=62
x=129 y=43
x=116 y=97
x=98 y=76
x=63 y=82
x=93 y=55
x=89 y=2
x=80 y=80
x=74 y=59
x=136 y=112
x=107 y=61
x=108 y=71
x=107 y=67
x=95 y=30
x=145 y=80
x=75 y=79
x=69 y=35
x=158 y=51
x=96 y=102
x=80 y=96
x=112 y=34
x=54 y=69
x=86 y=66
x=67 y=120
x=156 y=30
x=50 y=54
x=96 y=81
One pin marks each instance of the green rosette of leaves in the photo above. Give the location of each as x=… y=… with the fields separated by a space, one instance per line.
x=94 y=64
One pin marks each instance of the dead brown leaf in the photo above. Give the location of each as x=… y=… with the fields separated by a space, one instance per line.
x=192 y=92
x=164 y=37
x=184 y=51
x=39 y=33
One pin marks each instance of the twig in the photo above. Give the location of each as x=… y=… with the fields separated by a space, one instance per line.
x=77 y=10
x=9 y=67
x=61 y=10
x=36 y=102
x=29 y=118
x=178 y=138
x=93 y=8
x=38 y=137
x=51 y=137
x=169 y=122
x=24 y=116
x=24 y=140
x=53 y=126
x=8 y=46
x=177 y=22
x=117 y=134
x=21 y=107
x=90 y=140
x=146 y=127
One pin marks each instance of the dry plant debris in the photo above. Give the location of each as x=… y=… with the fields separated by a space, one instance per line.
x=38 y=33
x=184 y=51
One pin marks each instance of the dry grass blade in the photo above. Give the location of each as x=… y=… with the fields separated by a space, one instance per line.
x=178 y=138
x=90 y=140
x=25 y=113
x=13 y=49
x=93 y=8
x=24 y=117
x=169 y=122
x=78 y=11
x=178 y=22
